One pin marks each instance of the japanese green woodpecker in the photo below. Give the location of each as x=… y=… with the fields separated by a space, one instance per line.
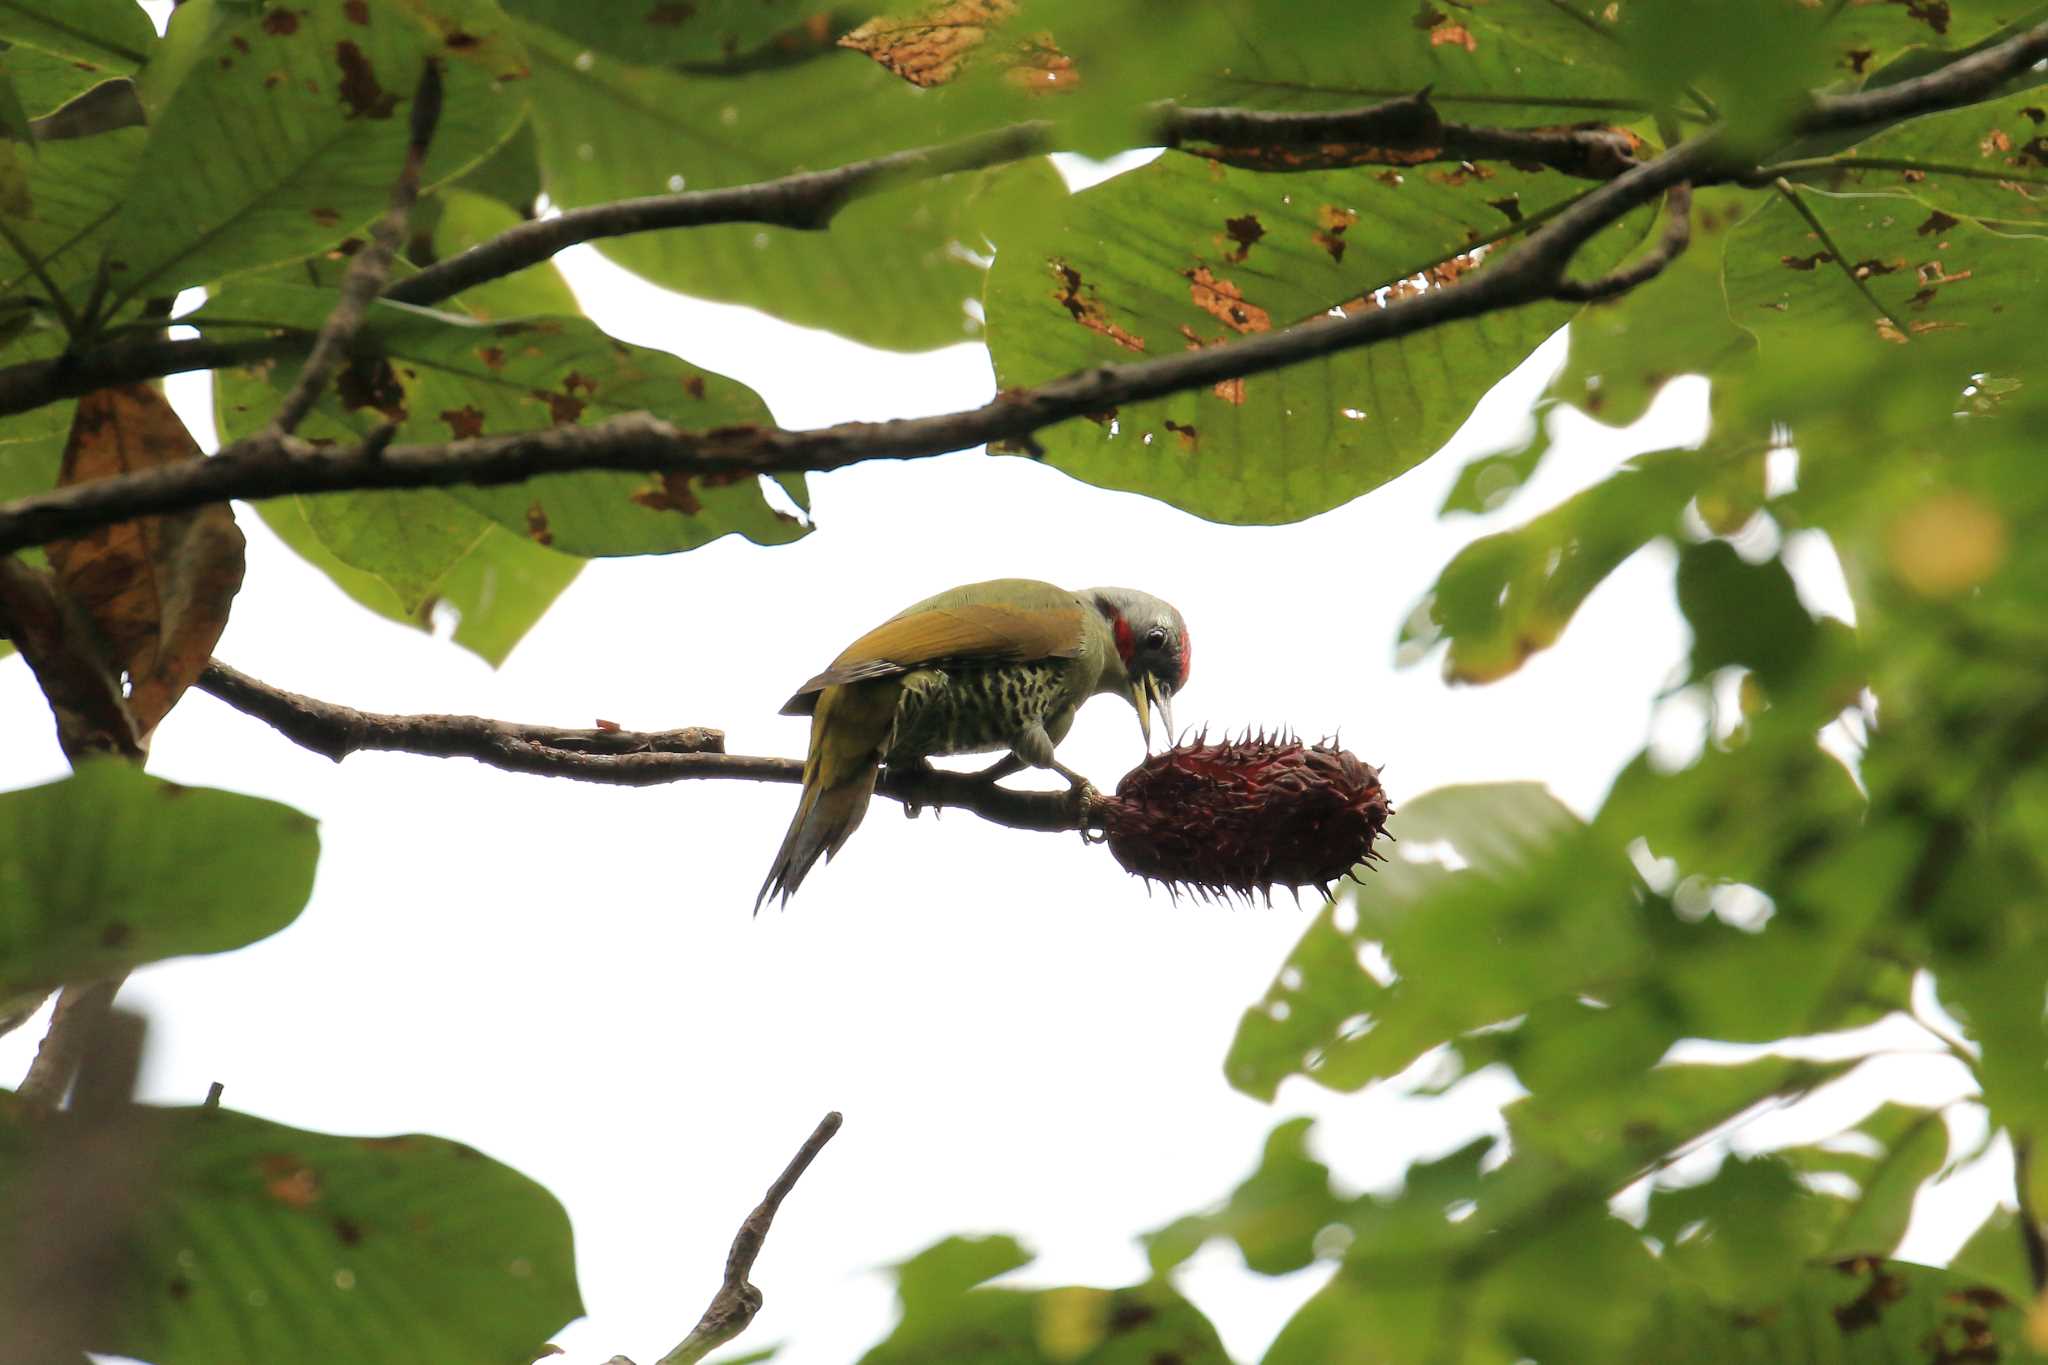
x=1002 y=665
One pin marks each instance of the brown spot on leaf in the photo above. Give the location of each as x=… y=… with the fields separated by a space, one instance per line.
x=1933 y=13
x=1510 y=207
x=281 y=22
x=1465 y=171
x=670 y=13
x=1089 y=311
x=1428 y=16
x=1864 y=269
x=325 y=217
x=359 y=88
x=1189 y=437
x=1225 y=302
x=357 y=12
x=693 y=385
x=537 y=524
x=288 y=1180
x=1805 y=262
x=1937 y=222
x=1933 y=272
x=348 y=1232
x=563 y=408
x=370 y=382
x=493 y=356
x=1246 y=232
x=463 y=422
x=670 y=494
x=2034 y=152
x=1994 y=143
x=459 y=41
x=241 y=44
x=2036 y=114
x=1858 y=58
x=1331 y=225
x=115 y=935
x=574 y=381
x=1453 y=35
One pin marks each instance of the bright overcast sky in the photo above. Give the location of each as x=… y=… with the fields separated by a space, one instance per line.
x=1022 y=1039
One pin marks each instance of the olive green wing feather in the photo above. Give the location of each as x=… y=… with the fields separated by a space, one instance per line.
x=964 y=631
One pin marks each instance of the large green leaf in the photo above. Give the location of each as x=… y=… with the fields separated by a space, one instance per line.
x=1985 y=161
x=114 y=33
x=499 y=588
x=110 y=868
x=945 y=1318
x=665 y=31
x=1184 y=253
x=1890 y=269
x=252 y=1243
x=289 y=129
x=441 y=377
x=1510 y=595
x=890 y=272
x=58 y=203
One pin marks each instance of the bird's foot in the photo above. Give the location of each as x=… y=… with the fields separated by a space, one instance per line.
x=917 y=770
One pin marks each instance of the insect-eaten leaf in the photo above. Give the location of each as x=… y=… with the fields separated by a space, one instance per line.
x=157 y=588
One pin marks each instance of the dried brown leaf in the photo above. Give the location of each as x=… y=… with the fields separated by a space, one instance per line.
x=158 y=588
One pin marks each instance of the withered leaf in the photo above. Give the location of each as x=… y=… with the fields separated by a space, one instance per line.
x=158 y=588
x=64 y=650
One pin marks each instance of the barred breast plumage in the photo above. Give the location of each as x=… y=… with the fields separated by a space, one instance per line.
x=972 y=709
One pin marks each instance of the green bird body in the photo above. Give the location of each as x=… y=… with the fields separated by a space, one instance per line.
x=1002 y=665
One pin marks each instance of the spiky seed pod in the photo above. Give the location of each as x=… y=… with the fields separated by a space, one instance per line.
x=1246 y=815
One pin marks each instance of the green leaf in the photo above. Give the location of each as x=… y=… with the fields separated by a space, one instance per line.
x=1273 y=1216
x=1862 y=1313
x=1473 y=946
x=499 y=588
x=110 y=868
x=1510 y=595
x=1185 y=253
x=289 y=129
x=110 y=33
x=1996 y=1256
x=660 y=32
x=945 y=1270
x=1141 y=1325
x=1739 y=1236
x=1913 y=1147
x=1985 y=161
x=14 y=119
x=1919 y=271
x=890 y=272
x=443 y=377
x=55 y=205
x=259 y=1244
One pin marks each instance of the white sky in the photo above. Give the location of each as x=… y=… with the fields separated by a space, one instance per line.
x=567 y=976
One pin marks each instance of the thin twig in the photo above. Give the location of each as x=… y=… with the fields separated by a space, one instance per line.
x=737 y=1301
x=1834 y=253
x=624 y=758
x=1646 y=267
x=59 y=304
x=370 y=267
x=80 y=1011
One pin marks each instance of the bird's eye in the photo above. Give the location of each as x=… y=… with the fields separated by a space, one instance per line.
x=1156 y=637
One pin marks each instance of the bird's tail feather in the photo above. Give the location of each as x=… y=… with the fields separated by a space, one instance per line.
x=825 y=818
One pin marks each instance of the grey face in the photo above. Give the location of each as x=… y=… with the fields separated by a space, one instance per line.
x=1152 y=641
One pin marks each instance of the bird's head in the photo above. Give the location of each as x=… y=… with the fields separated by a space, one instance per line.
x=1152 y=648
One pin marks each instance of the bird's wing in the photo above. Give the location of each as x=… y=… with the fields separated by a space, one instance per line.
x=967 y=631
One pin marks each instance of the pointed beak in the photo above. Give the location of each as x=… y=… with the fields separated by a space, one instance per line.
x=1145 y=691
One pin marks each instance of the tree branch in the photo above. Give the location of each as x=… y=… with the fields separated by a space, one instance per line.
x=737 y=1301
x=81 y=1009
x=624 y=758
x=368 y=270
x=1530 y=271
x=1646 y=267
